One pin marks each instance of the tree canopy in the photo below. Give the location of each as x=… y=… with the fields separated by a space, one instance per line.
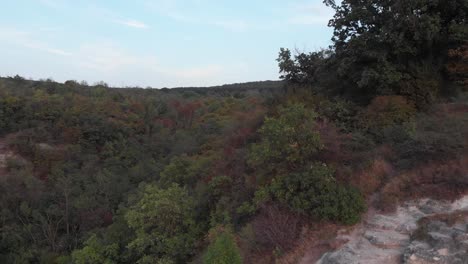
x=385 y=47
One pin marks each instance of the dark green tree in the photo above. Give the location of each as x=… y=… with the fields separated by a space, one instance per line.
x=316 y=192
x=386 y=47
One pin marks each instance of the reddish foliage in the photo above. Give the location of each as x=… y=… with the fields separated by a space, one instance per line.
x=137 y=107
x=239 y=137
x=107 y=218
x=388 y=110
x=370 y=179
x=233 y=160
x=446 y=180
x=45 y=158
x=452 y=109
x=457 y=66
x=277 y=228
x=383 y=103
x=228 y=151
x=166 y=122
x=333 y=141
x=231 y=164
x=319 y=239
x=254 y=101
x=185 y=112
x=93 y=218
x=71 y=135
x=175 y=103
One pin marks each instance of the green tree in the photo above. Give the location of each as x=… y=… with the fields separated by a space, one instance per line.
x=163 y=220
x=223 y=250
x=289 y=141
x=95 y=252
x=184 y=170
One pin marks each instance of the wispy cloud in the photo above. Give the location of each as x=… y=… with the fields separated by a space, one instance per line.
x=132 y=23
x=309 y=13
x=299 y=12
x=177 y=11
x=232 y=25
x=105 y=57
x=27 y=40
x=55 y=4
x=45 y=48
x=198 y=72
x=109 y=59
x=50 y=29
x=56 y=51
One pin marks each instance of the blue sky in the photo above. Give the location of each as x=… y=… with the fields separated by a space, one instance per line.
x=158 y=43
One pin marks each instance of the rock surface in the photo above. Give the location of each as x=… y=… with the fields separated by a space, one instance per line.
x=383 y=239
x=442 y=244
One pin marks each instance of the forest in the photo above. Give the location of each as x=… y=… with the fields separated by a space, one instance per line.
x=240 y=173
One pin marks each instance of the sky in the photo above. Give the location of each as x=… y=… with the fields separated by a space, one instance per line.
x=157 y=43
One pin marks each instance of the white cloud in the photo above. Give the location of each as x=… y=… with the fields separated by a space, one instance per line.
x=133 y=23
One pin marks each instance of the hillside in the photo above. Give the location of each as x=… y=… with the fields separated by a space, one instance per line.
x=358 y=155
x=86 y=159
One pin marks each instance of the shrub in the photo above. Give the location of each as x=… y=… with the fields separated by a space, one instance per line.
x=438 y=180
x=386 y=111
x=316 y=192
x=369 y=179
x=432 y=138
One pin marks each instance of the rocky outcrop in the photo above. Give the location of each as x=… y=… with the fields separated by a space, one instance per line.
x=440 y=243
x=390 y=238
